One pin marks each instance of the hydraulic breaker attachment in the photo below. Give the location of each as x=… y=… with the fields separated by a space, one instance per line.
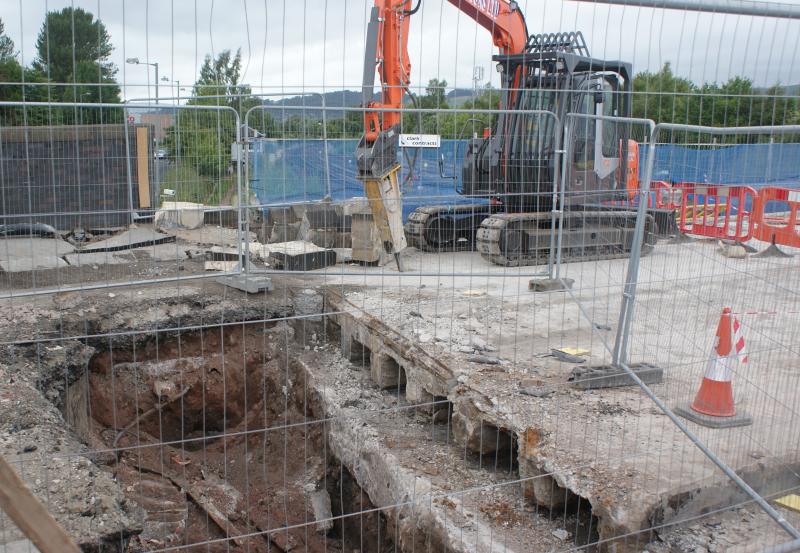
x=386 y=205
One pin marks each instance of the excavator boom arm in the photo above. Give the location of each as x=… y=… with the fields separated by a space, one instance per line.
x=387 y=50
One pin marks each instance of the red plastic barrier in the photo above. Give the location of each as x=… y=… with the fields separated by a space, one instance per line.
x=782 y=228
x=666 y=196
x=717 y=211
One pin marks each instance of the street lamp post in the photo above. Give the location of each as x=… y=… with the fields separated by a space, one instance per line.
x=177 y=88
x=135 y=61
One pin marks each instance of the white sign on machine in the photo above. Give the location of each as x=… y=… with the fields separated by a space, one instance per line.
x=420 y=140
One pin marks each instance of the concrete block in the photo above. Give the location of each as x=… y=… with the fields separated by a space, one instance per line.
x=366 y=239
x=300 y=256
x=252 y=284
x=471 y=431
x=321 y=506
x=415 y=393
x=739 y=419
x=541 y=488
x=609 y=376
x=179 y=215
x=550 y=284
x=343 y=255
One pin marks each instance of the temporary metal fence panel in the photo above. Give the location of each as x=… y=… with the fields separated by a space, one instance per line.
x=749 y=298
x=285 y=171
x=95 y=192
x=466 y=404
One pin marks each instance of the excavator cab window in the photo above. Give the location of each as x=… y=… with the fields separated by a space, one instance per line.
x=585 y=102
x=610 y=101
x=537 y=131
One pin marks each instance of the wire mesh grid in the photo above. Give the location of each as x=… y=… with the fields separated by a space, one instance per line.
x=482 y=398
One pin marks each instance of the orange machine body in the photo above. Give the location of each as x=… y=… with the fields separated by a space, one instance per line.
x=501 y=18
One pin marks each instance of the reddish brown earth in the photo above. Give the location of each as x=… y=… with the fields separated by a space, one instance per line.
x=211 y=435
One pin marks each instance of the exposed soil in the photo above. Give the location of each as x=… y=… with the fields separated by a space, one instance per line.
x=215 y=439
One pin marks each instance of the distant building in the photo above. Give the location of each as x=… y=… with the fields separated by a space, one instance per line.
x=160 y=121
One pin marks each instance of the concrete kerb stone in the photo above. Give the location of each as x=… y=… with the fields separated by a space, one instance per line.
x=741 y=418
x=251 y=284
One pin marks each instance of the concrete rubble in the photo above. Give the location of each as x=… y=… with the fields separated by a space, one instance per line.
x=445 y=409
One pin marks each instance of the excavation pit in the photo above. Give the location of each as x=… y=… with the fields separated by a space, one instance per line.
x=208 y=435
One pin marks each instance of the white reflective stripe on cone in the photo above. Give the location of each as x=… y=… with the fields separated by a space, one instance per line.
x=718 y=369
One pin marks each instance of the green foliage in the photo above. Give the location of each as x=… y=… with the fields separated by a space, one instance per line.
x=218 y=84
x=190 y=186
x=74 y=47
x=6 y=44
x=446 y=123
x=453 y=125
x=201 y=139
x=665 y=98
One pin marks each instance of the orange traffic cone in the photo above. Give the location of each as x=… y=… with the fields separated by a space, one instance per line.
x=713 y=406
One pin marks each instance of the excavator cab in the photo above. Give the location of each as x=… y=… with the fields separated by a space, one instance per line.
x=554 y=93
x=517 y=164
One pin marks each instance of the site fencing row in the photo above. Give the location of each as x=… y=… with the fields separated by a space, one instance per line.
x=655 y=303
x=82 y=172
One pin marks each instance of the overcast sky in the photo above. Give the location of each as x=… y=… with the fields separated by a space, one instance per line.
x=296 y=45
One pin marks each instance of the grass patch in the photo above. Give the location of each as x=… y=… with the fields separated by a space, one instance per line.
x=190 y=186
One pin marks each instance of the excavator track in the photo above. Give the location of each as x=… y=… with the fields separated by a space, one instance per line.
x=442 y=228
x=515 y=239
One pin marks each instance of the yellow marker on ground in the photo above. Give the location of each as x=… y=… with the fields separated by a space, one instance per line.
x=791 y=501
x=575 y=351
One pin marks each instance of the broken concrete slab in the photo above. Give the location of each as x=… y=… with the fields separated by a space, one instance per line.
x=95 y=258
x=28 y=254
x=208 y=235
x=165 y=252
x=225 y=266
x=137 y=237
x=252 y=284
x=160 y=252
x=610 y=376
x=300 y=256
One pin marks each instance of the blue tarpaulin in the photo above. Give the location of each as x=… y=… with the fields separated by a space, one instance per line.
x=296 y=170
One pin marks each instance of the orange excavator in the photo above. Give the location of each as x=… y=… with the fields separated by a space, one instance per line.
x=516 y=163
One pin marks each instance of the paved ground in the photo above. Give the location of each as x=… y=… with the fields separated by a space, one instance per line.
x=611 y=447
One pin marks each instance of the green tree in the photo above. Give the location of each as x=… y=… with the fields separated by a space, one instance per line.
x=219 y=84
x=435 y=95
x=200 y=141
x=74 y=47
x=29 y=88
x=6 y=44
x=663 y=97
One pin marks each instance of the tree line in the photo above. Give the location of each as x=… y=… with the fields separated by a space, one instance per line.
x=74 y=47
x=72 y=64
